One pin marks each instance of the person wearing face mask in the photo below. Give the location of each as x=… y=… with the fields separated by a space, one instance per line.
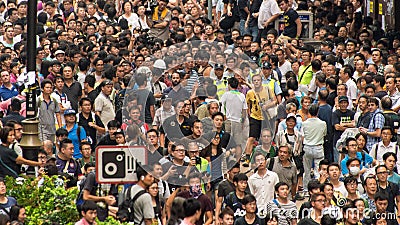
x=365 y=159
x=353 y=165
x=196 y=193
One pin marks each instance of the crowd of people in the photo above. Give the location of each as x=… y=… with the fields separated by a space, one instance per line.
x=238 y=120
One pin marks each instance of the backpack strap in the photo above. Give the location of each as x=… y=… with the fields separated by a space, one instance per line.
x=376 y=149
x=271 y=163
x=140 y=193
x=301 y=77
x=78 y=133
x=277 y=203
x=164 y=187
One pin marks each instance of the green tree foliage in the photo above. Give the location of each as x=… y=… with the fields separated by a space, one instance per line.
x=49 y=203
x=45 y=204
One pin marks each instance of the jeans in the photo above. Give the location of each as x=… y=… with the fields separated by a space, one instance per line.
x=336 y=154
x=242 y=28
x=253 y=31
x=312 y=154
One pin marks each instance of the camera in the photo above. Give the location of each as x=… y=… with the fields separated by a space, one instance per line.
x=198 y=160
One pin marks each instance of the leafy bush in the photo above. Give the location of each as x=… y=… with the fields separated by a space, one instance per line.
x=48 y=203
x=45 y=204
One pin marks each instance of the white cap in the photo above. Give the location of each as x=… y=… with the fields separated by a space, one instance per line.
x=59 y=52
x=160 y=64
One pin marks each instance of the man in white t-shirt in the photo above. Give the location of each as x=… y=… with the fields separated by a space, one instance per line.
x=234 y=106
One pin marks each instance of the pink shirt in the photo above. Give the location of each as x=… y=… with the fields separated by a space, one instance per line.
x=4 y=105
x=186 y=222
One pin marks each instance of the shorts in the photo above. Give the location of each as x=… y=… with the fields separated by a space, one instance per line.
x=298 y=160
x=255 y=128
x=215 y=184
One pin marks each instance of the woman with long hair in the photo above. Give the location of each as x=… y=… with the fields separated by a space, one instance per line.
x=177 y=211
x=157 y=204
x=18 y=213
x=9 y=160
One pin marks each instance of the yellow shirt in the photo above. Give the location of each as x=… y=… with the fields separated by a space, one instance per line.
x=254 y=99
x=308 y=74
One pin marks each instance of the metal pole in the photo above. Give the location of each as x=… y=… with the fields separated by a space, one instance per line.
x=31 y=57
x=209 y=3
x=31 y=141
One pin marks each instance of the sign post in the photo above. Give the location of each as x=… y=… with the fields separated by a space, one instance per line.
x=117 y=164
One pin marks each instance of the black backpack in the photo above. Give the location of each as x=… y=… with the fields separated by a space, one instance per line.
x=125 y=210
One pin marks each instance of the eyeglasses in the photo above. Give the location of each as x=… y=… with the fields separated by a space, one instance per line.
x=383 y=172
x=179 y=150
x=320 y=200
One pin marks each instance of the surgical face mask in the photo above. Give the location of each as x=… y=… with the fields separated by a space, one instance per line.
x=354 y=171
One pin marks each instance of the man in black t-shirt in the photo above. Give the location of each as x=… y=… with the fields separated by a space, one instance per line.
x=225 y=187
x=90 y=121
x=109 y=138
x=145 y=100
x=318 y=204
x=292 y=22
x=243 y=13
x=250 y=217
x=234 y=199
x=341 y=120
x=175 y=126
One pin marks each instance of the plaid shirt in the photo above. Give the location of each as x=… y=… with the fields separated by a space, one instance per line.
x=377 y=122
x=161 y=115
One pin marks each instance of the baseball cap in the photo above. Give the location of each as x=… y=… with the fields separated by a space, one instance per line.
x=59 y=52
x=218 y=66
x=266 y=65
x=329 y=44
x=291 y=115
x=119 y=131
x=105 y=82
x=343 y=98
x=160 y=64
x=69 y=112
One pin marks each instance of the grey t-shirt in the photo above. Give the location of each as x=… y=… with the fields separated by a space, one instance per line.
x=142 y=207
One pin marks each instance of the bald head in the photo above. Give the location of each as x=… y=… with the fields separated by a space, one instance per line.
x=48 y=147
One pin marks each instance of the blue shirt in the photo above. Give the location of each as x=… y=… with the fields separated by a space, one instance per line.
x=395 y=178
x=73 y=135
x=6 y=93
x=368 y=161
